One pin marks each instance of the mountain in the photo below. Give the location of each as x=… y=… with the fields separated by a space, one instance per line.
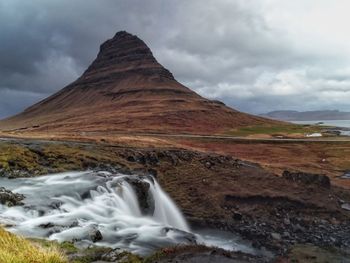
x=288 y=115
x=126 y=89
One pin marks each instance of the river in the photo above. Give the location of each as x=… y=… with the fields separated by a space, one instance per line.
x=77 y=206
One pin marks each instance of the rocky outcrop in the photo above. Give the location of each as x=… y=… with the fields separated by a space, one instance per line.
x=9 y=198
x=125 y=55
x=143 y=194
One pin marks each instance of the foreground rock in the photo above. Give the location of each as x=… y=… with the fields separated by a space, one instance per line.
x=9 y=198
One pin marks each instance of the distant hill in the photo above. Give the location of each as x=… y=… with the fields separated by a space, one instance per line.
x=288 y=115
x=125 y=89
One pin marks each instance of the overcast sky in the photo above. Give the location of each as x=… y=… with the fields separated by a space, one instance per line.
x=255 y=55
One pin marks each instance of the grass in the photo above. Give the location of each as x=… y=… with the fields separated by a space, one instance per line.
x=16 y=158
x=32 y=160
x=14 y=249
x=312 y=254
x=283 y=129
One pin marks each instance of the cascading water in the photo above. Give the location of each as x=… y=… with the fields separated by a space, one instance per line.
x=99 y=208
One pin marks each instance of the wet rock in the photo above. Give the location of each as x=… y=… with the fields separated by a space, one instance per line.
x=95 y=235
x=47 y=225
x=307 y=178
x=144 y=198
x=346 y=175
x=153 y=172
x=185 y=237
x=346 y=206
x=9 y=198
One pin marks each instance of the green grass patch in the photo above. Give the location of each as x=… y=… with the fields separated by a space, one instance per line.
x=276 y=130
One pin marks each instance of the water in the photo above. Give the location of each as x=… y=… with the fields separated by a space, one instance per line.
x=336 y=123
x=74 y=206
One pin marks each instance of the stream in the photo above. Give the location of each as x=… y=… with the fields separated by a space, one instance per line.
x=97 y=208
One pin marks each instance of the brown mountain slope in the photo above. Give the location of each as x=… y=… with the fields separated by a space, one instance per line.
x=126 y=89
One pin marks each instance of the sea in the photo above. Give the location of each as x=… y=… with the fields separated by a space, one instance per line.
x=336 y=123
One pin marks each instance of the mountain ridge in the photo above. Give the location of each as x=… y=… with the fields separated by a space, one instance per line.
x=290 y=115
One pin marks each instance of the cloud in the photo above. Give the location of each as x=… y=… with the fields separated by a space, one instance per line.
x=256 y=55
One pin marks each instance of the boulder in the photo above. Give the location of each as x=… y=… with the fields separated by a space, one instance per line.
x=95 y=235
x=9 y=198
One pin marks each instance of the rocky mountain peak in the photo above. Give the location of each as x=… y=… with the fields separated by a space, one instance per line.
x=127 y=53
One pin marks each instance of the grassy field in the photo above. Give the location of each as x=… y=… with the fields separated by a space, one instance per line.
x=14 y=249
x=276 y=130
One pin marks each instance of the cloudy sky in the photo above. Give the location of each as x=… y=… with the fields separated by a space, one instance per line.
x=255 y=55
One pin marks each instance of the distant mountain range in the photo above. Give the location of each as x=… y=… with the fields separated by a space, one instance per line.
x=288 y=115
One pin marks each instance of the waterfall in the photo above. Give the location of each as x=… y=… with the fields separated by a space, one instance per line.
x=97 y=208
x=73 y=206
x=165 y=209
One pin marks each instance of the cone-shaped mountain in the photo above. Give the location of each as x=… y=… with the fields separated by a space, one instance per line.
x=126 y=89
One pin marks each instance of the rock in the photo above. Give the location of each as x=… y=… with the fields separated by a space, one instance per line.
x=346 y=175
x=184 y=237
x=145 y=199
x=286 y=221
x=47 y=225
x=307 y=178
x=208 y=165
x=9 y=198
x=346 y=206
x=276 y=236
x=237 y=216
x=286 y=234
x=113 y=255
x=95 y=235
x=131 y=159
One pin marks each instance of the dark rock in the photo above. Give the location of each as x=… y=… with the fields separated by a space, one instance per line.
x=9 y=198
x=276 y=236
x=95 y=235
x=153 y=172
x=307 y=178
x=208 y=165
x=144 y=197
x=237 y=216
x=47 y=225
x=131 y=159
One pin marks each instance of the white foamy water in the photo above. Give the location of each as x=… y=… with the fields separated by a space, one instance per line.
x=74 y=206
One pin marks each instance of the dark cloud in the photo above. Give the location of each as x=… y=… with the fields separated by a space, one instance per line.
x=254 y=55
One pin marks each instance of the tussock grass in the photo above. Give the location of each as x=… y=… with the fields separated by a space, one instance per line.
x=14 y=249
